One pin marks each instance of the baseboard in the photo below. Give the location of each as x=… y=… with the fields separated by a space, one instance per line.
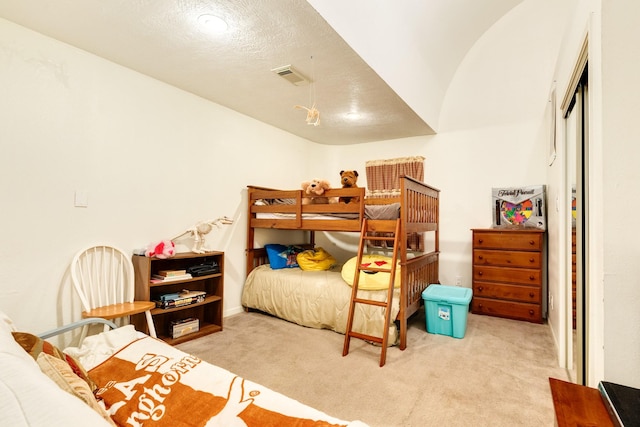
x=232 y=311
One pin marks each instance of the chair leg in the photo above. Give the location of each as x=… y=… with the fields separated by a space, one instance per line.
x=152 y=328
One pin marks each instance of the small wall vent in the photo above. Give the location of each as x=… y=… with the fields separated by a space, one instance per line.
x=291 y=75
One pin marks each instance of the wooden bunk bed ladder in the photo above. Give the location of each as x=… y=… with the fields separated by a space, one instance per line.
x=370 y=228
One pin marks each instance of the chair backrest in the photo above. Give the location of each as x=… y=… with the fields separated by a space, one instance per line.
x=102 y=275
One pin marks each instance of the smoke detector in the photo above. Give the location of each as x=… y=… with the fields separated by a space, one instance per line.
x=291 y=75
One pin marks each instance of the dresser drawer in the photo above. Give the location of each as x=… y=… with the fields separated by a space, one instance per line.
x=507 y=258
x=508 y=309
x=523 y=276
x=508 y=240
x=530 y=294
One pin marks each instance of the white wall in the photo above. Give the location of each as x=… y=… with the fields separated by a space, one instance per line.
x=620 y=180
x=559 y=196
x=613 y=294
x=153 y=159
x=464 y=166
x=493 y=132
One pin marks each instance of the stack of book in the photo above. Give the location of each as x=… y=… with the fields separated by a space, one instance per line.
x=180 y=299
x=170 y=275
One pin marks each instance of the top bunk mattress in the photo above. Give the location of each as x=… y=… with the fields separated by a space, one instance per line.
x=379 y=212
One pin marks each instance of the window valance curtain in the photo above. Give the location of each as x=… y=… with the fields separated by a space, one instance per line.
x=383 y=175
x=383 y=180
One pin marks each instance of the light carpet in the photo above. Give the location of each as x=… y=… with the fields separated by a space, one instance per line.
x=497 y=375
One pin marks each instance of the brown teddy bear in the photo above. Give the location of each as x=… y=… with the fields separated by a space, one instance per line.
x=314 y=191
x=348 y=179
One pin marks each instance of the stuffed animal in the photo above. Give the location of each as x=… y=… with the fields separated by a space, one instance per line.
x=348 y=179
x=164 y=249
x=314 y=191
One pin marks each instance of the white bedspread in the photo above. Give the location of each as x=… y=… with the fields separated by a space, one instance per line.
x=151 y=383
x=95 y=349
x=317 y=299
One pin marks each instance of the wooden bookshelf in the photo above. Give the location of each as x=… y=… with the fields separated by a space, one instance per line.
x=208 y=312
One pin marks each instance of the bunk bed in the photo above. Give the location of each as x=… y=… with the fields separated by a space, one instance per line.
x=416 y=205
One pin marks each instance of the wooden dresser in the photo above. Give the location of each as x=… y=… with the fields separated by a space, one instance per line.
x=578 y=405
x=509 y=272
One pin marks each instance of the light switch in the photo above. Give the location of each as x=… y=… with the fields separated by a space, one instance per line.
x=81 y=199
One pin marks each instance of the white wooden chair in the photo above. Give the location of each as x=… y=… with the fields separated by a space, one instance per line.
x=104 y=279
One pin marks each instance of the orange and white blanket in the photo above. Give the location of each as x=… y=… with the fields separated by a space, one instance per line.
x=151 y=383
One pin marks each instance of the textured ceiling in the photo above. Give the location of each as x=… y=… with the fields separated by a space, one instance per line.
x=163 y=39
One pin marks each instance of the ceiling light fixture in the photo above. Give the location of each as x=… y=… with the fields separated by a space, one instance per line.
x=212 y=23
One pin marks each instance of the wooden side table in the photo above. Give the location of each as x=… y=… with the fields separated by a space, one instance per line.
x=577 y=405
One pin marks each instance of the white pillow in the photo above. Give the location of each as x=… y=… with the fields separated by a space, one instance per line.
x=31 y=399
x=6 y=322
x=8 y=345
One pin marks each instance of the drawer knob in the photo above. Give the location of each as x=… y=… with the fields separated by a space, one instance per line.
x=531 y=294
x=532 y=277
x=531 y=312
x=531 y=242
x=479 y=273
x=479 y=288
x=480 y=257
x=531 y=260
x=480 y=241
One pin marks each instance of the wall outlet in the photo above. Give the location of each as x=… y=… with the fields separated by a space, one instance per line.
x=458 y=281
x=550 y=302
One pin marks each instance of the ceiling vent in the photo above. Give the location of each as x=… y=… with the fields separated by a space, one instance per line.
x=288 y=73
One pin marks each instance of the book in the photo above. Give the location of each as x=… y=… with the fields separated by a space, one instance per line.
x=171 y=273
x=185 y=297
x=167 y=297
x=622 y=403
x=156 y=278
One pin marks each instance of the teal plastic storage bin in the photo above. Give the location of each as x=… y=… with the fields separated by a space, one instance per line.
x=446 y=309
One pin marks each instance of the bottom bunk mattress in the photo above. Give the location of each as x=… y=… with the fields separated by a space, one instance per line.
x=316 y=299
